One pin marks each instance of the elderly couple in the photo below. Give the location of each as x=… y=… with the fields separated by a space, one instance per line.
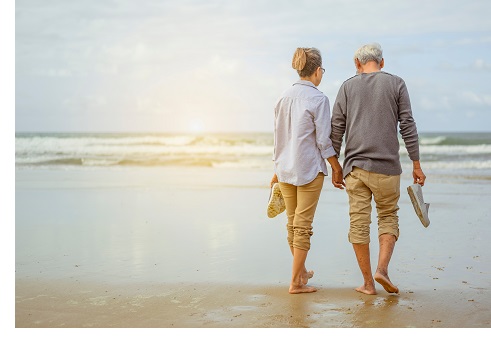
x=367 y=112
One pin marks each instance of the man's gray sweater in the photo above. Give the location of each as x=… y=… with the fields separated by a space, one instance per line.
x=368 y=108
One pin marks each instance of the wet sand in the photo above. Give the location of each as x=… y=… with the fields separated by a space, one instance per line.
x=193 y=248
x=210 y=305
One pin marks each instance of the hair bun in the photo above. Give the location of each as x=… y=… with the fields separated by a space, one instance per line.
x=299 y=59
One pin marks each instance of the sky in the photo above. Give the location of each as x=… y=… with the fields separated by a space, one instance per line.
x=219 y=66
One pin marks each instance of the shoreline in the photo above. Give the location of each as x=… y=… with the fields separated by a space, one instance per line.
x=193 y=248
x=54 y=304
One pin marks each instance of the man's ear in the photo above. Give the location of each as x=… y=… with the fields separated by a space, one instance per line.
x=382 y=63
x=357 y=65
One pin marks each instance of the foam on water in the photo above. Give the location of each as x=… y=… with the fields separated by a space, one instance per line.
x=453 y=152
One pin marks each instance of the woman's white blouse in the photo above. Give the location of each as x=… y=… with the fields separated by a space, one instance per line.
x=302 y=128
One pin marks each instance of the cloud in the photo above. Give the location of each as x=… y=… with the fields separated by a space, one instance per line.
x=481 y=65
x=476 y=99
x=161 y=64
x=435 y=103
x=52 y=72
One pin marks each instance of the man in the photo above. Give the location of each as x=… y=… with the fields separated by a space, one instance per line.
x=367 y=111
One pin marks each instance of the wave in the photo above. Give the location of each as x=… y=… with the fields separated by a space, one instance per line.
x=455 y=139
x=248 y=150
x=432 y=140
x=483 y=149
x=147 y=162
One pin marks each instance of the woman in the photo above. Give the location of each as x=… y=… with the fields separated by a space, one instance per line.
x=301 y=146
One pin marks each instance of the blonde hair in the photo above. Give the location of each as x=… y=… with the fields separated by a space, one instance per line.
x=306 y=61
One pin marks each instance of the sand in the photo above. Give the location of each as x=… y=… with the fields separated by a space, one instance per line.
x=193 y=248
x=210 y=305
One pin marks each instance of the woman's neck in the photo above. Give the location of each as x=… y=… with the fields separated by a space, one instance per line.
x=311 y=79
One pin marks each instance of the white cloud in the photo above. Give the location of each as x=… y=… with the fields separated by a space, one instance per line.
x=476 y=99
x=86 y=102
x=481 y=65
x=432 y=104
x=52 y=72
x=223 y=63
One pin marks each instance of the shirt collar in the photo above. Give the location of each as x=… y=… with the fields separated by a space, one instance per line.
x=307 y=83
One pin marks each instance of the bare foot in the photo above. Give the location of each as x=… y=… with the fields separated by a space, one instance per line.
x=386 y=283
x=368 y=289
x=301 y=289
x=306 y=276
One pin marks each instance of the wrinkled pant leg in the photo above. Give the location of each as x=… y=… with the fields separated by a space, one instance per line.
x=307 y=200
x=289 y=193
x=301 y=203
x=360 y=206
x=386 y=194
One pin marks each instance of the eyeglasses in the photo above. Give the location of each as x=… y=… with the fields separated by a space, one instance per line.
x=323 y=70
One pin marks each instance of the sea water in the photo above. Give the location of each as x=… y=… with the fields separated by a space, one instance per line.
x=467 y=154
x=181 y=207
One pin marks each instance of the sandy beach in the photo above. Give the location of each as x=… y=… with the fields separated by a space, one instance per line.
x=193 y=248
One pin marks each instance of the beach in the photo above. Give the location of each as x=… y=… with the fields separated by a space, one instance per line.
x=192 y=247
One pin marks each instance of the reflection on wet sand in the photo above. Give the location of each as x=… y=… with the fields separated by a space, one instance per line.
x=194 y=248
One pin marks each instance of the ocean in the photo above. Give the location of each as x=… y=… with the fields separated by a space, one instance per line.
x=125 y=213
x=465 y=154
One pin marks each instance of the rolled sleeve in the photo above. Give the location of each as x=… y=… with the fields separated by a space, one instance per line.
x=322 y=123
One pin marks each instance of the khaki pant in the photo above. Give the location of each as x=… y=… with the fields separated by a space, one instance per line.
x=301 y=202
x=360 y=186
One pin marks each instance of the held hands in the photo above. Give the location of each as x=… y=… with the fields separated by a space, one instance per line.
x=337 y=179
x=337 y=172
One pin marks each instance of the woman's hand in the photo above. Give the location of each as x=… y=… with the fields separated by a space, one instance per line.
x=337 y=179
x=273 y=180
x=337 y=172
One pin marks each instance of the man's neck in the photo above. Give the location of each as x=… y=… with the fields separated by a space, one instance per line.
x=370 y=67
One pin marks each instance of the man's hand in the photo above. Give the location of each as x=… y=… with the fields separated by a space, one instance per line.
x=418 y=175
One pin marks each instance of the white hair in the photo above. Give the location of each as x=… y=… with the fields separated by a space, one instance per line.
x=369 y=52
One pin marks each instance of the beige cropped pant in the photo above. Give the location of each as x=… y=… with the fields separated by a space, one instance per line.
x=301 y=202
x=361 y=185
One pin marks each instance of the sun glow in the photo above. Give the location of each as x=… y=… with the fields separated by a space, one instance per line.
x=196 y=126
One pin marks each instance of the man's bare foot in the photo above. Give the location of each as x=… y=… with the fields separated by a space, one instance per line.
x=386 y=283
x=306 y=276
x=367 y=289
x=301 y=289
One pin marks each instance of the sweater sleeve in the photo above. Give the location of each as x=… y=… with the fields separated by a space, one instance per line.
x=407 y=125
x=338 y=120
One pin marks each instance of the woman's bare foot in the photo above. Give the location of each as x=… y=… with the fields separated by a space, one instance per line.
x=386 y=283
x=306 y=276
x=301 y=289
x=367 y=289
